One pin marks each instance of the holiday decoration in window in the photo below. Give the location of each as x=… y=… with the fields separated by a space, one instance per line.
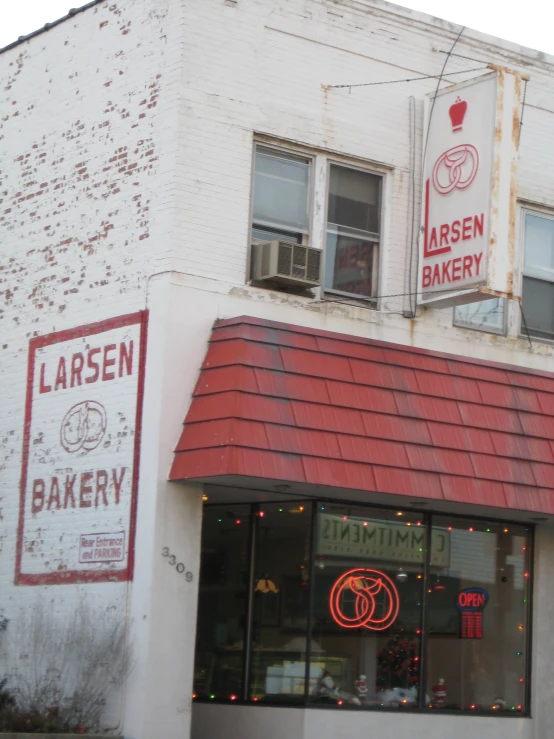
x=265 y=585
x=439 y=693
x=397 y=672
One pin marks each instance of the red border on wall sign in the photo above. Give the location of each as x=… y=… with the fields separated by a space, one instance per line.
x=79 y=576
x=374 y=600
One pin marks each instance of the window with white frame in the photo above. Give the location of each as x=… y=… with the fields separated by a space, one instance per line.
x=280 y=203
x=353 y=227
x=285 y=197
x=537 y=298
x=486 y=315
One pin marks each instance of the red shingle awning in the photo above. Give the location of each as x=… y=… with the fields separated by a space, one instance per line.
x=279 y=402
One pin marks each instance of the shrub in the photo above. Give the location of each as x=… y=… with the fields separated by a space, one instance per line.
x=66 y=670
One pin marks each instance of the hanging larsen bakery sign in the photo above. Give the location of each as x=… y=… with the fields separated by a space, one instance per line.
x=469 y=191
x=80 y=453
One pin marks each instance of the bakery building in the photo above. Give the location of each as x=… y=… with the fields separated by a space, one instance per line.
x=278 y=368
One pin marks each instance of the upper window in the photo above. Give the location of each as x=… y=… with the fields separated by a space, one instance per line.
x=353 y=226
x=280 y=208
x=537 y=298
x=288 y=202
x=486 y=315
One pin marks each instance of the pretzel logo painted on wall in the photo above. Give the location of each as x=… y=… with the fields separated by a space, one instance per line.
x=364 y=598
x=83 y=426
x=456 y=168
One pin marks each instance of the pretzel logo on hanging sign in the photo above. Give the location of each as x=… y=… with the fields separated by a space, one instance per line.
x=456 y=168
x=364 y=598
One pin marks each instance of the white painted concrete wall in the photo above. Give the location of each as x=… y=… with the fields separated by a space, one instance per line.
x=126 y=139
x=88 y=143
x=274 y=723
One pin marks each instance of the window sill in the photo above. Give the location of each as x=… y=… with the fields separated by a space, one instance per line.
x=359 y=302
x=398 y=710
x=536 y=339
x=280 y=287
x=489 y=331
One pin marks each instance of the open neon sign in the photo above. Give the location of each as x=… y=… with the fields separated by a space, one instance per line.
x=364 y=598
x=471 y=604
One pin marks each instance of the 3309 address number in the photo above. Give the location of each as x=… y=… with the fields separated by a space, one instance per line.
x=179 y=566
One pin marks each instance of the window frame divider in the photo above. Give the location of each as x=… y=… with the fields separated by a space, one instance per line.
x=311 y=598
x=529 y=614
x=424 y=615
x=248 y=626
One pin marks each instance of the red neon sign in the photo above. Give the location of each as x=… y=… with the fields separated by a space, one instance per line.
x=364 y=598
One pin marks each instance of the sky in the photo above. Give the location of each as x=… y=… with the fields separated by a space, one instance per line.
x=504 y=19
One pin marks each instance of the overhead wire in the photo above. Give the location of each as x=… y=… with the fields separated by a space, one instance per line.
x=413 y=194
x=525 y=325
x=427 y=142
x=409 y=79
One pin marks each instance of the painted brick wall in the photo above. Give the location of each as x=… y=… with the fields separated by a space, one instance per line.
x=87 y=135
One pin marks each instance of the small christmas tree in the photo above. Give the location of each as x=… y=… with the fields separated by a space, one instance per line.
x=397 y=664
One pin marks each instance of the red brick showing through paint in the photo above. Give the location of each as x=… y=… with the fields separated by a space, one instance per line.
x=285 y=403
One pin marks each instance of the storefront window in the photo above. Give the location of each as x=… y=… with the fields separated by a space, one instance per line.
x=366 y=630
x=222 y=602
x=281 y=599
x=477 y=616
x=326 y=604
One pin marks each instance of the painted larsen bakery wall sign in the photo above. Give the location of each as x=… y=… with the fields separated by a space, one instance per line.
x=80 y=453
x=362 y=538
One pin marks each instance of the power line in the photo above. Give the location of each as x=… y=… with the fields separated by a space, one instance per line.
x=421 y=292
x=462 y=56
x=522 y=106
x=462 y=29
x=409 y=79
x=525 y=324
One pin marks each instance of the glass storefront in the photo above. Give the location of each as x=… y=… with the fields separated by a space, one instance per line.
x=351 y=606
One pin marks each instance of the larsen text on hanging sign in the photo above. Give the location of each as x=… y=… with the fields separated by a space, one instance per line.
x=469 y=191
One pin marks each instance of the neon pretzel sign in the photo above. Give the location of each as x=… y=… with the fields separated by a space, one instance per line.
x=364 y=598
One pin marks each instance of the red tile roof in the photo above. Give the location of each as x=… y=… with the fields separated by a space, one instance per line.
x=288 y=403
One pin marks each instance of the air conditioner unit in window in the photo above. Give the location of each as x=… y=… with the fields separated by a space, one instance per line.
x=285 y=262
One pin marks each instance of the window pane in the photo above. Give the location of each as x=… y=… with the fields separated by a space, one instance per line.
x=367 y=608
x=478 y=617
x=539 y=247
x=537 y=302
x=354 y=199
x=222 y=601
x=280 y=192
x=281 y=595
x=486 y=315
x=349 y=264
